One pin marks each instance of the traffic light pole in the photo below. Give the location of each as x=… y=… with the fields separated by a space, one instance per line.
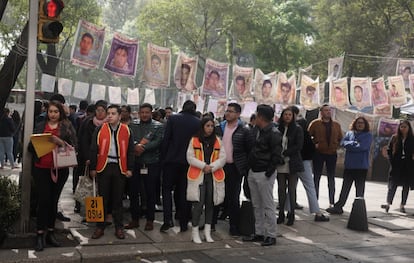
x=28 y=120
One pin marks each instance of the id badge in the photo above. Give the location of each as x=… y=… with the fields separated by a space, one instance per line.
x=143 y=170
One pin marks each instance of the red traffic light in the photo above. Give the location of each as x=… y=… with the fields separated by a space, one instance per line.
x=49 y=25
x=53 y=8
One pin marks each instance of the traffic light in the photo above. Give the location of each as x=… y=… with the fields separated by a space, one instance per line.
x=49 y=26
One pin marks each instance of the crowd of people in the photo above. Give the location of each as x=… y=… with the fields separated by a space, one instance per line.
x=156 y=159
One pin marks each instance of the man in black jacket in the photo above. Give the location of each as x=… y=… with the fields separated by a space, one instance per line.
x=237 y=144
x=178 y=132
x=265 y=155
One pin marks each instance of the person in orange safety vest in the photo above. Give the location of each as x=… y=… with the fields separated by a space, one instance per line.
x=206 y=157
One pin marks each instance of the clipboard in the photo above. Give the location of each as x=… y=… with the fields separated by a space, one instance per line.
x=42 y=144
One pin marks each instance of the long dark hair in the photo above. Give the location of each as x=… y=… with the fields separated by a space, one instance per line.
x=58 y=105
x=203 y=138
x=397 y=138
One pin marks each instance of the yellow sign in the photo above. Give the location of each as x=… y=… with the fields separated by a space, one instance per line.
x=94 y=209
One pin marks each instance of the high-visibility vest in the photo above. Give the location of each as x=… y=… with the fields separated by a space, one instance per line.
x=194 y=172
x=104 y=142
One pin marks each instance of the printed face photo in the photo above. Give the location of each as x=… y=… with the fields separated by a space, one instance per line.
x=120 y=57
x=339 y=95
x=266 y=89
x=185 y=74
x=86 y=44
x=285 y=92
x=358 y=93
x=240 y=85
x=155 y=63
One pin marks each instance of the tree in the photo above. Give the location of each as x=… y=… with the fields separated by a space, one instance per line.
x=370 y=28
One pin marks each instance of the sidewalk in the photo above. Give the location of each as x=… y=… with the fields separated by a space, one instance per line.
x=389 y=238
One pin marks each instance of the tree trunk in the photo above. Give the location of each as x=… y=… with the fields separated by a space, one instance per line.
x=13 y=65
x=3 y=5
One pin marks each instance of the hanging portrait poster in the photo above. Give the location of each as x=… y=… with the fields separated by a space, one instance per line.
x=338 y=93
x=309 y=92
x=387 y=127
x=65 y=86
x=98 y=92
x=335 y=66
x=396 y=91
x=157 y=66
x=380 y=100
x=81 y=90
x=123 y=56
x=242 y=83
x=404 y=68
x=378 y=93
x=286 y=89
x=411 y=84
x=114 y=95
x=216 y=77
x=48 y=83
x=360 y=92
x=88 y=46
x=185 y=72
x=265 y=87
x=133 y=96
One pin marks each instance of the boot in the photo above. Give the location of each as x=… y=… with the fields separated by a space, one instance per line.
x=281 y=217
x=196 y=235
x=51 y=239
x=207 y=233
x=39 y=242
x=291 y=218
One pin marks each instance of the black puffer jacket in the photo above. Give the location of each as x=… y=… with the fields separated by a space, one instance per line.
x=242 y=145
x=266 y=153
x=294 y=147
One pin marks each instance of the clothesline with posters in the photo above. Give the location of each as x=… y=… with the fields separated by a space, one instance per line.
x=271 y=88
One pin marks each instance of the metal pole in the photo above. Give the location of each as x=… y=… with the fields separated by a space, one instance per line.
x=28 y=120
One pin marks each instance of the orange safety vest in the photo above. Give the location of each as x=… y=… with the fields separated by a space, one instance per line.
x=104 y=142
x=194 y=172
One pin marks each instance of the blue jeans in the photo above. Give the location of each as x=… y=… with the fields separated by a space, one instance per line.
x=307 y=180
x=6 y=147
x=318 y=161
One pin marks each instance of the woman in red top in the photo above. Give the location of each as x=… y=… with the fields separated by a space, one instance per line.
x=49 y=187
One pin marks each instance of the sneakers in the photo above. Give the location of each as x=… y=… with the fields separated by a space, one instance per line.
x=253 y=238
x=269 y=241
x=335 y=210
x=321 y=218
x=164 y=228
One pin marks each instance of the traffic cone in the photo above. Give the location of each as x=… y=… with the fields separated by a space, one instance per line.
x=358 y=218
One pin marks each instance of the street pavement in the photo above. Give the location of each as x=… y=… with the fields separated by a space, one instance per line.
x=389 y=238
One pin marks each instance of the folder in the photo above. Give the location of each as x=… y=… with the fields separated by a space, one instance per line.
x=42 y=144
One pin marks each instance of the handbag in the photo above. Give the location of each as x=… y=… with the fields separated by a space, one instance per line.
x=84 y=187
x=64 y=156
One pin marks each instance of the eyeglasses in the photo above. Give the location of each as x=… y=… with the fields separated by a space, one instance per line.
x=231 y=111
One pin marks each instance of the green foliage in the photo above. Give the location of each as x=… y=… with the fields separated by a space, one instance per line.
x=9 y=203
x=363 y=27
